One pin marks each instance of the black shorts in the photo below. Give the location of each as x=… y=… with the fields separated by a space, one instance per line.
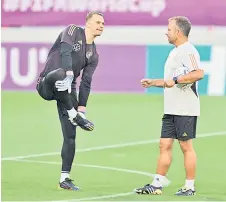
x=179 y=127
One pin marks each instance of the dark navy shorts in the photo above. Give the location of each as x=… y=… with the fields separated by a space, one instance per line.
x=179 y=127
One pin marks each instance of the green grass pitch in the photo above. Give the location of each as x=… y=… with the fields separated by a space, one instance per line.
x=30 y=126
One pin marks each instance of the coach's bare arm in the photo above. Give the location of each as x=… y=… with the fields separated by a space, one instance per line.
x=191 y=77
x=146 y=83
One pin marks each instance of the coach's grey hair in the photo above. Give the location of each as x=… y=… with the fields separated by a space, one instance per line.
x=183 y=23
x=90 y=14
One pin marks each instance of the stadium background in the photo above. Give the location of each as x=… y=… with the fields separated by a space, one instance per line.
x=133 y=46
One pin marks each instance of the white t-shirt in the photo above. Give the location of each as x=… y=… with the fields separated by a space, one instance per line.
x=182 y=100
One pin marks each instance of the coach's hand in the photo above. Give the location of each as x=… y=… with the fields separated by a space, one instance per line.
x=146 y=83
x=65 y=84
x=169 y=83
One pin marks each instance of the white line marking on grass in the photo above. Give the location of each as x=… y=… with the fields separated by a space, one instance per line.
x=109 y=196
x=92 y=166
x=29 y=156
x=201 y=135
x=86 y=150
x=166 y=182
x=117 y=169
x=89 y=198
x=102 y=197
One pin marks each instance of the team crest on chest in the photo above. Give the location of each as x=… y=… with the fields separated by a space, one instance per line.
x=76 y=47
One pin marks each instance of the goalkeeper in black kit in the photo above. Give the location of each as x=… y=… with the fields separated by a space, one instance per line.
x=73 y=51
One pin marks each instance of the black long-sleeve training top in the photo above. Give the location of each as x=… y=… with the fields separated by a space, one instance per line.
x=71 y=52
